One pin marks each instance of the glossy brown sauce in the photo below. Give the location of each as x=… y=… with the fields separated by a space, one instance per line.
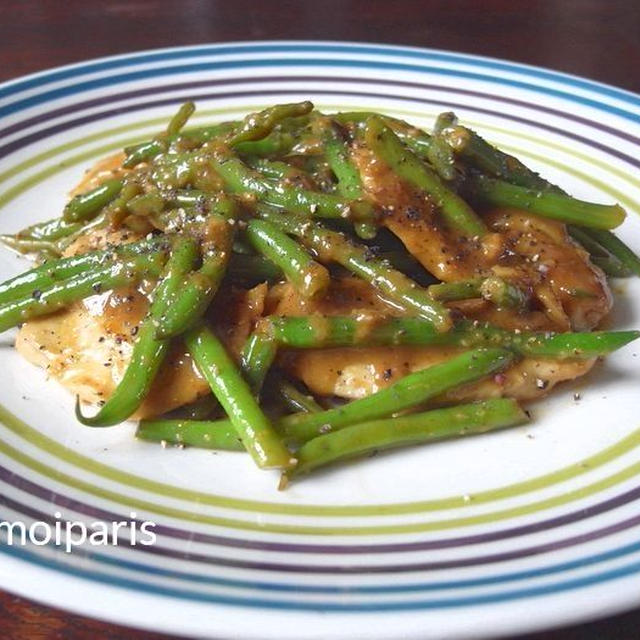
x=88 y=345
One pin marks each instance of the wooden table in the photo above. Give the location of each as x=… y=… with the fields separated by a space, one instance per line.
x=598 y=39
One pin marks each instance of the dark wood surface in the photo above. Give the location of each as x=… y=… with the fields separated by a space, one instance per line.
x=599 y=39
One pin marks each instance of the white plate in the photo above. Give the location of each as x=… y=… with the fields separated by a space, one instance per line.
x=460 y=539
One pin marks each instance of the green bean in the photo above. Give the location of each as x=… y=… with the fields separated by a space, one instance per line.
x=315 y=332
x=202 y=408
x=28 y=245
x=198 y=289
x=45 y=256
x=259 y=125
x=598 y=254
x=146 y=204
x=240 y=179
x=148 y=352
x=368 y=437
x=334 y=247
x=491 y=160
x=296 y=400
x=308 y=277
x=52 y=273
x=458 y=290
x=503 y=294
x=277 y=143
x=276 y=169
x=403 y=261
x=117 y=211
x=404 y=163
x=617 y=248
x=496 y=290
x=148 y=150
x=86 y=205
x=249 y=270
x=548 y=204
x=573 y=345
x=50 y=230
x=348 y=176
x=439 y=153
x=61 y=294
x=143 y=152
x=180 y=119
x=408 y=392
x=257 y=356
x=253 y=428
x=196 y=198
x=192 y=433
x=416 y=139
x=200 y=204
x=611 y=266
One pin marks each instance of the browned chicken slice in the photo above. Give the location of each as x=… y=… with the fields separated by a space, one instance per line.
x=535 y=253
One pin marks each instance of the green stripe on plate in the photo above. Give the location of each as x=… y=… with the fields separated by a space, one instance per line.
x=71 y=457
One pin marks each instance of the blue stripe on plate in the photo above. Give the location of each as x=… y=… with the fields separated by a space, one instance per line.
x=328 y=47
x=107 y=81
x=23 y=553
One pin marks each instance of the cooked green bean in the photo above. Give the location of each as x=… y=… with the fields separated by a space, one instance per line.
x=241 y=179
x=296 y=400
x=50 y=230
x=332 y=246
x=84 y=206
x=277 y=169
x=191 y=433
x=253 y=428
x=146 y=151
x=503 y=294
x=348 y=176
x=180 y=119
x=203 y=408
x=367 y=437
x=117 y=211
x=248 y=270
x=61 y=294
x=316 y=332
x=457 y=290
x=599 y=255
x=556 y=206
x=484 y=156
x=307 y=276
x=189 y=303
x=416 y=139
x=277 y=143
x=52 y=273
x=404 y=163
x=148 y=351
x=28 y=245
x=146 y=204
x=258 y=354
x=259 y=125
x=439 y=153
x=617 y=248
x=411 y=391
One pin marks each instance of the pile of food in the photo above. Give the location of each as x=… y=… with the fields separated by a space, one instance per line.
x=310 y=287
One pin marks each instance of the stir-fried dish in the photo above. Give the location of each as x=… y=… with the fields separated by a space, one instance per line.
x=310 y=288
